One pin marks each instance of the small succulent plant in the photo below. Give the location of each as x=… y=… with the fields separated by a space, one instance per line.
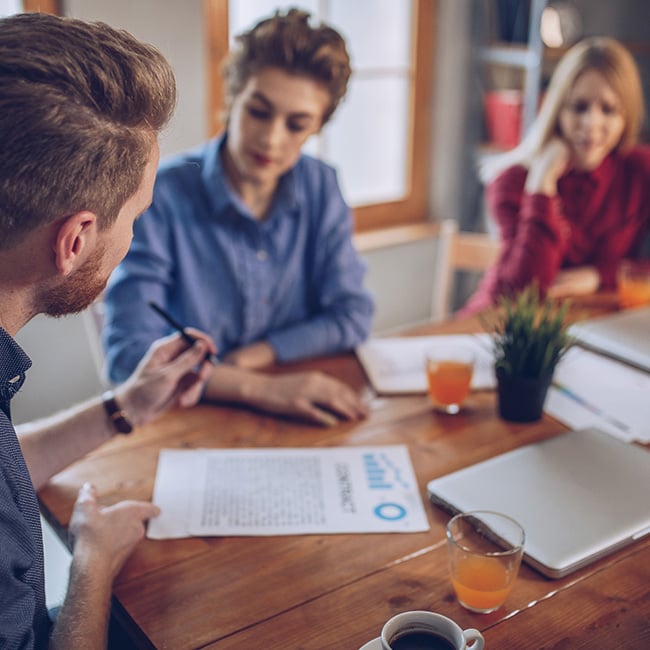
x=529 y=334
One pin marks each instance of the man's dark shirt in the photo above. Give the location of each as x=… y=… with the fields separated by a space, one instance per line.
x=24 y=621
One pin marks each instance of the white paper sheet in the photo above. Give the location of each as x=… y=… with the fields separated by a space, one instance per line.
x=395 y=365
x=206 y=492
x=594 y=390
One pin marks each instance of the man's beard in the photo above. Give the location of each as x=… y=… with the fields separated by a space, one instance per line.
x=77 y=291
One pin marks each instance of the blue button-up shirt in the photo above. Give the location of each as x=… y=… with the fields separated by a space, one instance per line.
x=292 y=279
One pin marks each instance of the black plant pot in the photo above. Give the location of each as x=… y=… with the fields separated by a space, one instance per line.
x=521 y=399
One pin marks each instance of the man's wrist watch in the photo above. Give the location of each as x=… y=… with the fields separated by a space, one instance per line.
x=116 y=415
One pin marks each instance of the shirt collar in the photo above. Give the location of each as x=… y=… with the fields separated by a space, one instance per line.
x=222 y=196
x=13 y=366
x=595 y=177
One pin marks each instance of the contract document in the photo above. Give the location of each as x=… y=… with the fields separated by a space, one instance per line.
x=219 y=492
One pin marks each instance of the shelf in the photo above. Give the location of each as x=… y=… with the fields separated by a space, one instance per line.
x=513 y=55
x=525 y=57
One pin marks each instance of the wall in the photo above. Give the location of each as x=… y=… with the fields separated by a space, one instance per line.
x=64 y=372
x=176 y=28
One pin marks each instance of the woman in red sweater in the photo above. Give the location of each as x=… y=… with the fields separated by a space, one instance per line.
x=573 y=198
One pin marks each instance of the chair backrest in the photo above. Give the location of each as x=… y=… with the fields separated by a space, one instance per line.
x=458 y=251
x=93 y=319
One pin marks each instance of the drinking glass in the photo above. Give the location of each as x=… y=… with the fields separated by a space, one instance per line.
x=485 y=550
x=449 y=375
x=633 y=281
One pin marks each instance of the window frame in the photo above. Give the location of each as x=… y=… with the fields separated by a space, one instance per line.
x=42 y=6
x=413 y=208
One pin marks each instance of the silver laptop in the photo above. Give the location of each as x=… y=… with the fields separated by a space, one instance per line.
x=624 y=335
x=579 y=496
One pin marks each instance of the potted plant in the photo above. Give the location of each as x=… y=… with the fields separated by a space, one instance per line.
x=529 y=337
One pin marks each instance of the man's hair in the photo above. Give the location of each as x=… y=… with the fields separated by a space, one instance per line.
x=80 y=107
x=287 y=41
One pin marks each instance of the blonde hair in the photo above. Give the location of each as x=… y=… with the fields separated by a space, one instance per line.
x=604 y=55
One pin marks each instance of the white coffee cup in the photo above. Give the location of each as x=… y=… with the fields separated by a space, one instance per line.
x=401 y=625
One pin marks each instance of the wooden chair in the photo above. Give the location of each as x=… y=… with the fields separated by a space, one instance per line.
x=93 y=320
x=458 y=251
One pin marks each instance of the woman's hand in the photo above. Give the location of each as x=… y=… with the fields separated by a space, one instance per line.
x=307 y=395
x=310 y=395
x=255 y=355
x=547 y=167
x=579 y=281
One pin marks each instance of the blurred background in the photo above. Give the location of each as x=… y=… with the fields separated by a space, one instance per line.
x=436 y=85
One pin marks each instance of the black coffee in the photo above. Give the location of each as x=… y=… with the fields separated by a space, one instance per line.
x=421 y=641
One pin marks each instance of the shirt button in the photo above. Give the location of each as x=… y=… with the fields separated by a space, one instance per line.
x=262 y=255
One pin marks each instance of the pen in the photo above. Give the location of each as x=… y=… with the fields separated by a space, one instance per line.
x=178 y=327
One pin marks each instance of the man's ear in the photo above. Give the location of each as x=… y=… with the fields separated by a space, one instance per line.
x=73 y=236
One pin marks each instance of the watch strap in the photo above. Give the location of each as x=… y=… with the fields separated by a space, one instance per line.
x=116 y=415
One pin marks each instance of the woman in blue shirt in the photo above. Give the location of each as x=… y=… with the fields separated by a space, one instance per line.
x=250 y=240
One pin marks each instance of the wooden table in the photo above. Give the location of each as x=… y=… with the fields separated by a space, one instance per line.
x=336 y=591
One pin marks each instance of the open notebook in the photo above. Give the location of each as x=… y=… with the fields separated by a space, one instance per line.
x=624 y=335
x=395 y=365
x=579 y=496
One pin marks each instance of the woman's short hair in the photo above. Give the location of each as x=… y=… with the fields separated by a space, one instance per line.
x=288 y=41
x=80 y=107
x=617 y=66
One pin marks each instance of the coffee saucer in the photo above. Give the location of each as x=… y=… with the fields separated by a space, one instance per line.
x=375 y=644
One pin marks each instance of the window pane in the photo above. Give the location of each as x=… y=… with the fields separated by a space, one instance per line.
x=367 y=140
x=10 y=7
x=243 y=14
x=378 y=36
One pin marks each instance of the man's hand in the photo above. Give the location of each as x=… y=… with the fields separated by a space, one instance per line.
x=170 y=374
x=105 y=537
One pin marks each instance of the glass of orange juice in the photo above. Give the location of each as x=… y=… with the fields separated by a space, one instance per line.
x=449 y=371
x=485 y=550
x=633 y=281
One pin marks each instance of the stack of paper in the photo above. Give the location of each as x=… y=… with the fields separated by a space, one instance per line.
x=593 y=390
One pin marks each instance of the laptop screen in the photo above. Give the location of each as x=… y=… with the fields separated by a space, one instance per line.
x=624 y=335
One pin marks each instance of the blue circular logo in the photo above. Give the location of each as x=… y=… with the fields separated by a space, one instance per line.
x=390 y=511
